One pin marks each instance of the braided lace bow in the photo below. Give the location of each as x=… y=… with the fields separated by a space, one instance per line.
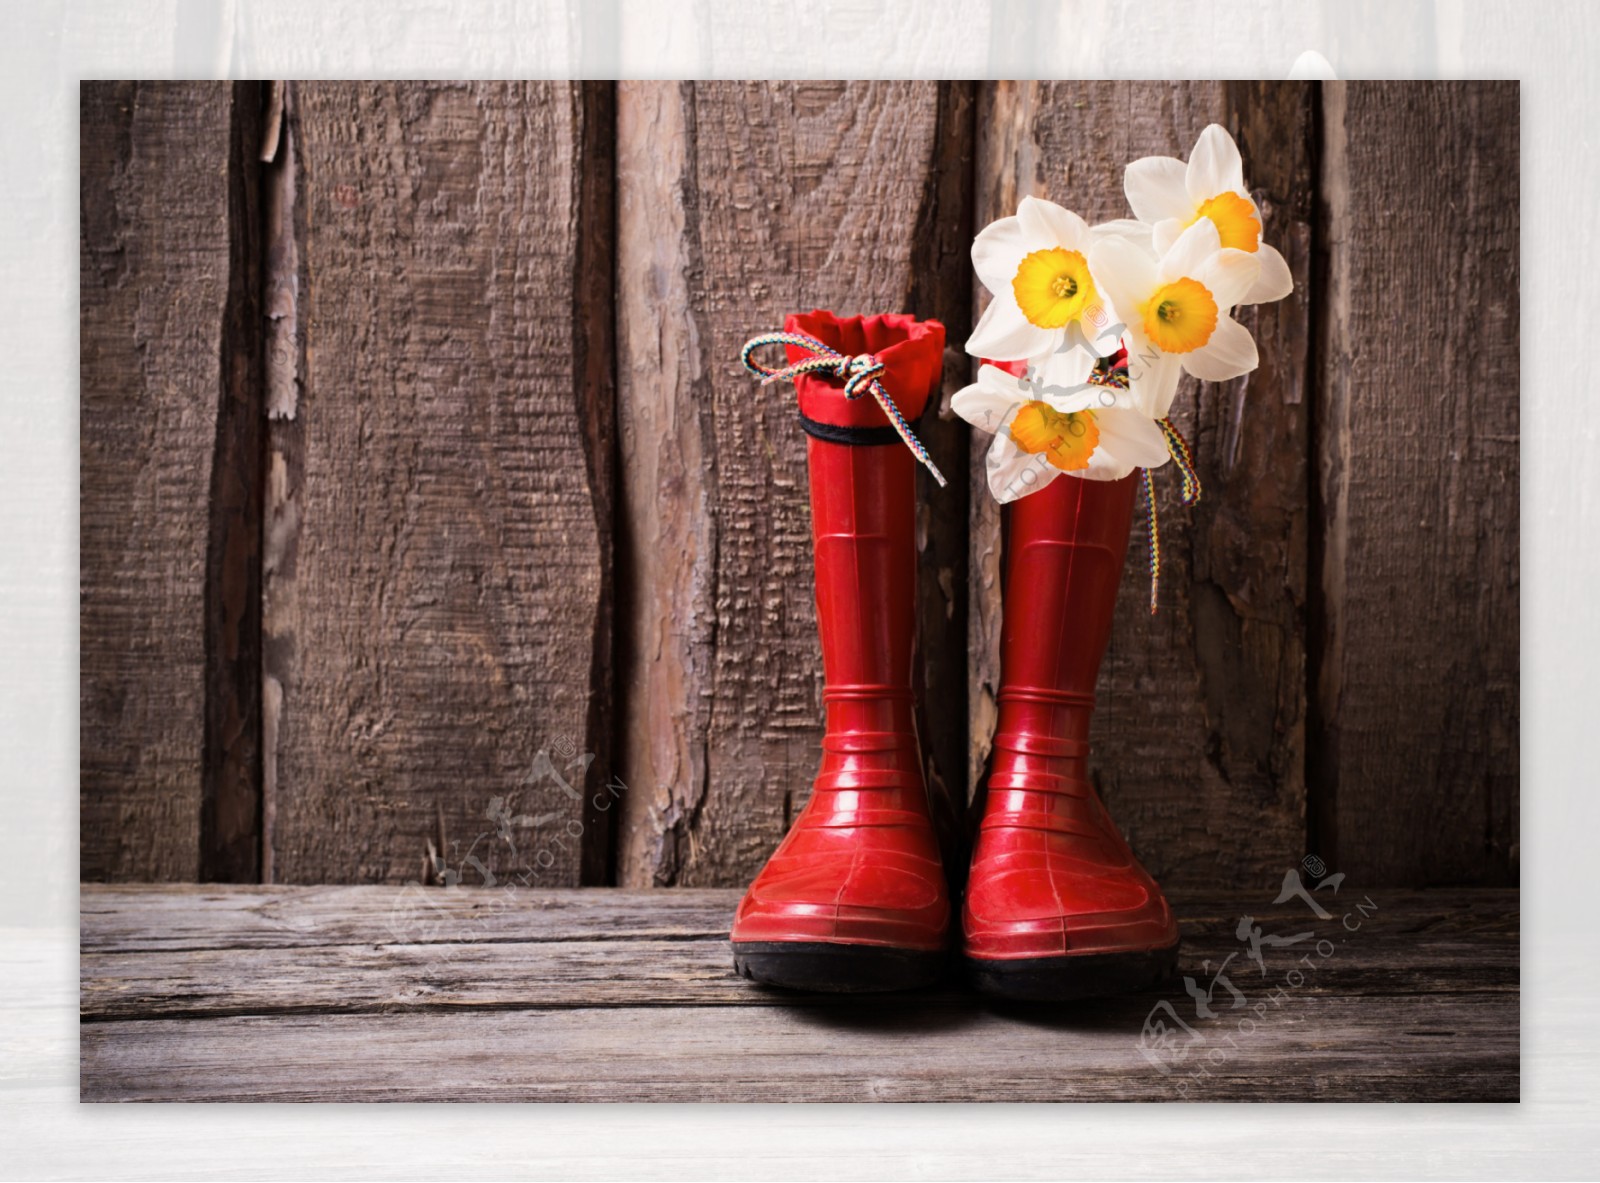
x=860 y=374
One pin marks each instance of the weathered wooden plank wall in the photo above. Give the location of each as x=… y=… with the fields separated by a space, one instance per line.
x=447 y=475
x=443 y=578
x=738 y=204
x=169 y=505
x=1416 y=688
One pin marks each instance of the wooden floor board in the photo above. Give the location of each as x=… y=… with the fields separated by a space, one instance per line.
x=371 y=993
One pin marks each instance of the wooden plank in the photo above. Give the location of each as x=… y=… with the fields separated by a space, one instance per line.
x=1417 y=685
x=738 y=203
x=154 y=266
x=1457 y=1048
x=587 y=973
x=450 y=498
x=155 y=917
x=1199 y=738
x=1393 y=995
x=132 y=917
x=347 y=950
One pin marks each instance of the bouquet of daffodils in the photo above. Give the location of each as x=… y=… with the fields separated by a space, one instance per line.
x=1091 y=327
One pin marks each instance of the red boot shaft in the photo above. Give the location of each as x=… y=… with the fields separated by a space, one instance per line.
x=1052 y=878
x=855 y=896
x=862 y=526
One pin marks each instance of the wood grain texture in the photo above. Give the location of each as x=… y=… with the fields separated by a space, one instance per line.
x=448 y=578
x=370 y=993
x=154 y=293
x=1199 y=737
x=1417 y=447
x=153 y=918
x=150 y=954
x=739 y=203
x=1404 y=1049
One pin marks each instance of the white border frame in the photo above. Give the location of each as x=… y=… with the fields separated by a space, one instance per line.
x=1552 y=46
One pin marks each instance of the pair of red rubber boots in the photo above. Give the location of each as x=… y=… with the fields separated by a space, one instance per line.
x=856 y=898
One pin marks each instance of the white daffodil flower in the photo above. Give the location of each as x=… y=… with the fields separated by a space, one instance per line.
x=1091 y=433
x=1171 y=196
x=1177 y=310
x=1046 y=300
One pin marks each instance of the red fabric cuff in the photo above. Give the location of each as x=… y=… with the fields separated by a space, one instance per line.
x=911 y=350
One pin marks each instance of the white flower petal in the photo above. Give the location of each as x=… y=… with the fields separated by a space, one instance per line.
x=997 y=252
x=1058 y=377
x=1045 y=224
x=1194 y=246
x=1214 y=166
x=1103 y=467
x=1228 y=275
x=1130 y=228
x=983 y=406
x=1157 y=190
x=1014 y=473
x=1152 y=378
x=1004 y=334
x=1164 y=234
x=1131 y=440
x=1102 y=328
x=1001 y=380
x=1274 y=281
x=1100 y=398
x=1088 y=399
x=1125 y=271
x=1231 y=351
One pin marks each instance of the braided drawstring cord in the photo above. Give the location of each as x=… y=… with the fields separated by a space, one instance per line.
x=860 y=374
x=1183 y=460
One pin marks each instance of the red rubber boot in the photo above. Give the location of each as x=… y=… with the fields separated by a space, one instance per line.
x=854 y=898
x=1057 y=907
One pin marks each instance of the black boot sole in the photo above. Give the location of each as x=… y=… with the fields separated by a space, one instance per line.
x=1064 y=979
x=821 y=967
